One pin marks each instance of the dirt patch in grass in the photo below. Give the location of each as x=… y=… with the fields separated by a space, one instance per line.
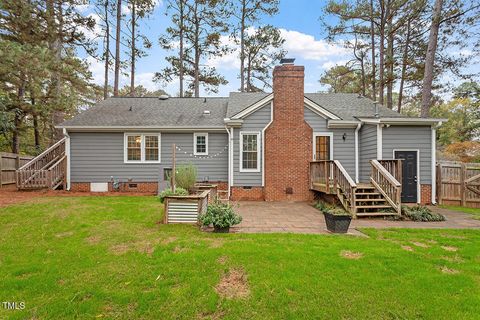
x=119 y=249
x=407 y=248
x=420 y=244
x=450 y=248
x=447 y=270
x=222 y=260
x=179 y=249
x=452 y=236
x=169 y=240
x=64 y=234
x=351 y=255
x=218 y=314
x=216 y=243
x=233 y=285
x=147 y=247
x=455 y=258
x=93 y=240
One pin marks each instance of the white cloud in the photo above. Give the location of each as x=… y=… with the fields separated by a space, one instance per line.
x=230 y=61
x=330 y=64
x=301 y=45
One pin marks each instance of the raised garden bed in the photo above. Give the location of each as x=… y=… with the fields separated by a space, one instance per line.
x=185 y=209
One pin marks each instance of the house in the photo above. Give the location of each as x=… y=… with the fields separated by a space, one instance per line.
x=284 y=145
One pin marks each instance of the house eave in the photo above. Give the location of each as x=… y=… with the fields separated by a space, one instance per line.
x=235 y=123
x=332 y=124
x=141 y=128
x=404 y=121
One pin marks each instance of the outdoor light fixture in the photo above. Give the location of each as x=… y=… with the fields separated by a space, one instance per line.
x=344 y=137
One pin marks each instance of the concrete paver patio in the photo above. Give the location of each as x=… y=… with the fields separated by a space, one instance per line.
x=301 y=217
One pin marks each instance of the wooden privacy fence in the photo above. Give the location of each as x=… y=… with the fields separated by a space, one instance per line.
x=9 y=163
x=458 y=184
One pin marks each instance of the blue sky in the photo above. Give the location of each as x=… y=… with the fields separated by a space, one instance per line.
x=299 y=24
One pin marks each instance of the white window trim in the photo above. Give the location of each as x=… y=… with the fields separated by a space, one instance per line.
x=142 y=147
x=201 y=134
x=314 y=145
x=259 y=146
x=419 y=193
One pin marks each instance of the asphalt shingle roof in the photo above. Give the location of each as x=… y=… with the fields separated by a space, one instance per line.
x=189 y=112
x=349 y=106
x=150 y=111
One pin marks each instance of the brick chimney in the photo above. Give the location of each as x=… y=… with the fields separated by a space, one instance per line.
x=288 y=140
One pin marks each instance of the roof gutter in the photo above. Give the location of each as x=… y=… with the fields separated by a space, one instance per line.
x=403 y=121
x=139 y=128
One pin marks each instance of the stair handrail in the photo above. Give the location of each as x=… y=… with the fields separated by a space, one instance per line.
x=344 y=183
x=55 y=174
x=41 y=155
x=386 y=183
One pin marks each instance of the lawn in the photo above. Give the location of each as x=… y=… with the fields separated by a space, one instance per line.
x=108 y=257
x=475 y=212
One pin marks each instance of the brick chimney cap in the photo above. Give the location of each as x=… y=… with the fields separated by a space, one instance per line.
x=287 y=61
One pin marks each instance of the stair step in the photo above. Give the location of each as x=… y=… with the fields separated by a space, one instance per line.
x=380 y=206
x=365 y=214
x=370 y=200
x=367 y=193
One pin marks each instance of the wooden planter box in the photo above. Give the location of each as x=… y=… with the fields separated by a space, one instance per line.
x=337 y=223
x=208 y=187
x=185 y=209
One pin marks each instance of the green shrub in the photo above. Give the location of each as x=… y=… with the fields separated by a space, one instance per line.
x=221 y=215
x=421 y=213
x=328 y=208
x=186 y=176
x=169 y=192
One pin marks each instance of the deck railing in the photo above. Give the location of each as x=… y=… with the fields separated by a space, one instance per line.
x=44 y=171
x=330 y=176
x=394 y=167
x=387 y=184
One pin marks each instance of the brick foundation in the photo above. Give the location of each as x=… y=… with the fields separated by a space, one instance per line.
x=288 y=140
x=141 y=187
x=426 y=194
x=254 y=194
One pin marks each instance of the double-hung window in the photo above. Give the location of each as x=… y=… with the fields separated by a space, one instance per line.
x=200 y=144
x=249 y=151
x=142 y=148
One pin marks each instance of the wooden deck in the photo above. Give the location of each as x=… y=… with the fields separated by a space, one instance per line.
x=380 y=197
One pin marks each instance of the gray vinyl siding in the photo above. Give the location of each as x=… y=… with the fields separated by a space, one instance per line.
x=343 y=150
x=367 y=150
x=96 y=157
x=410 y=138
x=254 y=122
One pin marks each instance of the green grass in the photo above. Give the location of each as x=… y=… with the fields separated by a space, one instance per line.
x=107 y=257
x=475 y=212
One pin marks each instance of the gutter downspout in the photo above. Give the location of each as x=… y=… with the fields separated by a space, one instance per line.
x=67 y=153
x=229 y=160
x=263 y=143
x=357 y=161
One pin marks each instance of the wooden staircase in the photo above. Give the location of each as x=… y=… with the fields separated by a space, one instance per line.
x=380 y=197
x=47 y=170
x=370 y=202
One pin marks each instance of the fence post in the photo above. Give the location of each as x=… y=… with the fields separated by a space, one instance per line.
x=462 y=184
x=439 y=183
x=1 y=171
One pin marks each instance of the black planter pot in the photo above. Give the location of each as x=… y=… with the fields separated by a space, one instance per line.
x=337 y=223
x=221 y=230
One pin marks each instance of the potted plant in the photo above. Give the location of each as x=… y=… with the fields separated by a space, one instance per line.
x=336 y=219
x=221 y=215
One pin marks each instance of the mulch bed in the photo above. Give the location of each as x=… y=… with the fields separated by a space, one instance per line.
x=10 y=195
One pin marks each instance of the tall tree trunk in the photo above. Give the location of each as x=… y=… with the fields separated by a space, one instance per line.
x=117 y=49
x=389 y=62
x=132 y=58
x=18 y=119
x=430 y=59
x=106 y=50
x=36 y=133
x=196 y=67
x=382 y=52
x=181 y=52
x=404 y=67
x=242 y=47
x=372 y=36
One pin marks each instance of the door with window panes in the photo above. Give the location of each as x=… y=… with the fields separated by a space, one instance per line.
x=322 y=148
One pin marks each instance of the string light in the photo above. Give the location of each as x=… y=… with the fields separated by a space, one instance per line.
x=189 y=154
